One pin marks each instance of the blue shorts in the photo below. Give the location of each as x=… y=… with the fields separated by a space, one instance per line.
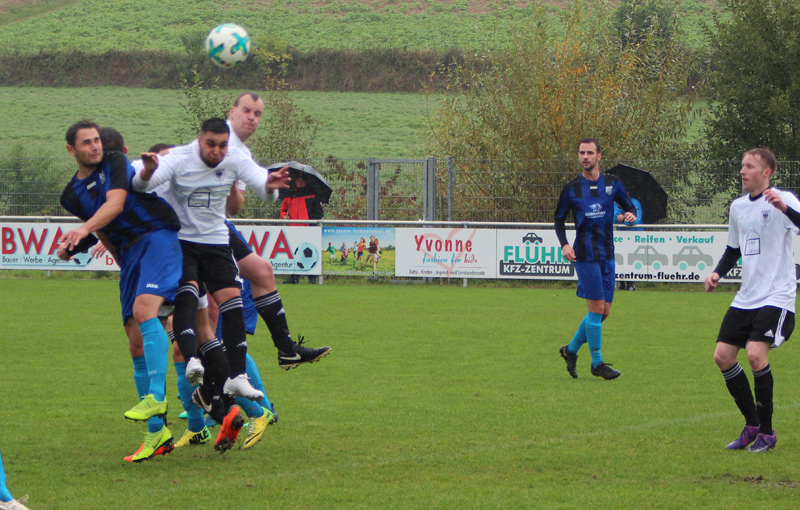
x=150 y=266
x=596 y=280
x=250 y=313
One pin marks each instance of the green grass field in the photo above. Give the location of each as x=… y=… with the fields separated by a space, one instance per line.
x=351 y=125
x=434 y=396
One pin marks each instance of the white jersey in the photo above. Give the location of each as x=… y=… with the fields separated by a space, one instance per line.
x=764 y=236
x=138 y=166
x=199 y=193
x=234 y=141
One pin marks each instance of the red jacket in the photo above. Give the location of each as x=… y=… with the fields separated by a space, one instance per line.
x=302 y=205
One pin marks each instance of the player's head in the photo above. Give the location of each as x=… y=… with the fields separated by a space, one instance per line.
x=84 y=144
x=245 y=114
x=161 y=148
x=758 y=165
x=213 y=141
x=112 y=140
x=589 y=154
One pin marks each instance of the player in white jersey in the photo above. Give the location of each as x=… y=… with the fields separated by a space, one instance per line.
x=244 y=118
x=201 y=175
x=760 y=230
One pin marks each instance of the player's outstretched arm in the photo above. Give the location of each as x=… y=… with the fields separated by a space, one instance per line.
x=115 y=203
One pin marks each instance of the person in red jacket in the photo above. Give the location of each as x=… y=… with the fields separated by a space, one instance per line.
x=302 y=204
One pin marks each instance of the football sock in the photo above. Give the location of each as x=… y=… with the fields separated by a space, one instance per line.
x=594 y=336
x=234 y=336
x=255 y=379
x=250 y=408
x=140 y=377
x=762 y=387
x=270 y=308
x=194 y=414
x=215 y=362
x=184 y=321
x=5 y=496
x=579 y=339
x=156 y=352
x=739 y=388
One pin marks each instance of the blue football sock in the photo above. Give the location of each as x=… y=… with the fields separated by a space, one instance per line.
x=255 y=379
x=579 y=339
x=250 y=408
x=194 y=414
x=156 y=352
x=140 y=378
x=5 y=496
x=594 y=336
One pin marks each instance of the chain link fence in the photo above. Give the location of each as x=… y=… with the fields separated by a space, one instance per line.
x=463 y=190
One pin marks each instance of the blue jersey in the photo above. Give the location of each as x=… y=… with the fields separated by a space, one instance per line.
x=142 y=212
x=592 y=203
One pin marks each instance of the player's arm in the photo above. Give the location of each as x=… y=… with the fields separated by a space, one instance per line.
x=725 y=264
x=235 y=201
x=774 y=198
x=148 y=178
x=110 y=247
x=621 y=197
x=562 y=209
x=115 y=203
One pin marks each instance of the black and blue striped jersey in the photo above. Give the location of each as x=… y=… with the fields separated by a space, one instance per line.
x=142 y=213
x=592 y=203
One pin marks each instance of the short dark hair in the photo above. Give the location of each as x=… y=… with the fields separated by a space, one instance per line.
x=72 y=131
x=112 y=139
x=215 y=125
x=253 y=96
x=160 y=147
x=590 y=140
x=766 y=156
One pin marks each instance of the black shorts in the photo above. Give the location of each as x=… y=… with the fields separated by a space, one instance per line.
x=766 y=324
x=211 y=265
x=237 y=244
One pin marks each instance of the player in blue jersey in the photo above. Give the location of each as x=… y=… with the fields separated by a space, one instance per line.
x=140 y=231
x=591 y=197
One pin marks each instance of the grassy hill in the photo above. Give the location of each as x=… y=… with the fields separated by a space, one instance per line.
x=166 y=25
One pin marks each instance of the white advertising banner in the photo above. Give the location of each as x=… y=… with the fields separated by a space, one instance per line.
x=531 y=254
x=34 y=245
x=446 y=252
x=291 y=250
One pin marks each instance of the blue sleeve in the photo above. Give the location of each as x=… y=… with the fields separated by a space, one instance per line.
x=638 y=212
x=562 y=210
x=621 y=197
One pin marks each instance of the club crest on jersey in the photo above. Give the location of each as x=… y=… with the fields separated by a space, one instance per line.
x=765 y=216
x=219 y=174
x=609 y=190
x=102 y=178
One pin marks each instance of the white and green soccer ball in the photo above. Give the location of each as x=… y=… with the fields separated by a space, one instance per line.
x=227 y=45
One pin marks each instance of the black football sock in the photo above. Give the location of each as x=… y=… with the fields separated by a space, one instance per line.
x=739 y=387
x=234 y=336
x=184 y=321
x=762 y=387
x=215 y=362
x=270 y=308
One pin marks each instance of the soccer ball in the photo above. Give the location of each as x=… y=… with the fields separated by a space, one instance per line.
x=227 y=45
x=306 y=257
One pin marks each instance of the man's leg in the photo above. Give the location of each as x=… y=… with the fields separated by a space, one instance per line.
x=270 y=307
x=739 y=388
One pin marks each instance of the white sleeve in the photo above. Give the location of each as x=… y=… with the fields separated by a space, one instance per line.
x=733 y=230
x=252 y=175
x=162 y=174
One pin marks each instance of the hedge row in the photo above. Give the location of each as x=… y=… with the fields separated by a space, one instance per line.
x=375 y=70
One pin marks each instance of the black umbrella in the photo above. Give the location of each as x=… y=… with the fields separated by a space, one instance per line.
x=315 y=181
x=643 y=186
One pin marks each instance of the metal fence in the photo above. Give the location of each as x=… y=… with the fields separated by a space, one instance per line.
x=433 y=189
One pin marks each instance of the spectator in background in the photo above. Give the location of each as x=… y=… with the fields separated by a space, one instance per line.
x=301 y=204
x=619 y=216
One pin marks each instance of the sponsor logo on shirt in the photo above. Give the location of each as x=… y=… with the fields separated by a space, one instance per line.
x=596 y=211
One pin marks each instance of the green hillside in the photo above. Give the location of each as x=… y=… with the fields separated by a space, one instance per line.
x=100 y=25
